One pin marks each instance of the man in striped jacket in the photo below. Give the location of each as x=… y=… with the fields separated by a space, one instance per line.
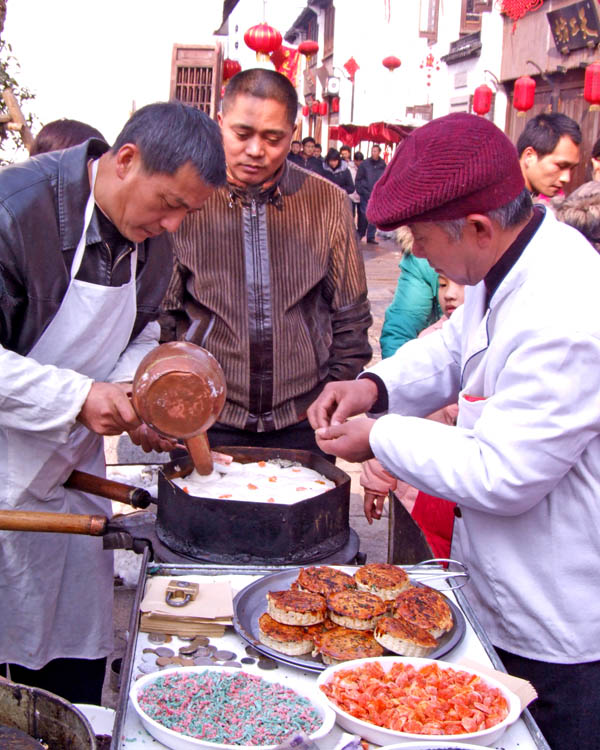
x=268 y=276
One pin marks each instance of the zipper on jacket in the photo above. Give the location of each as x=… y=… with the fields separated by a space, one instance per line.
x=255 y=237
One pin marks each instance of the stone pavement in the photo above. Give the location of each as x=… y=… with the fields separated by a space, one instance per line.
x=381 y=263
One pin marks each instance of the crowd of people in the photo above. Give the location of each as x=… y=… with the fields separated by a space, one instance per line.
x=483 y=415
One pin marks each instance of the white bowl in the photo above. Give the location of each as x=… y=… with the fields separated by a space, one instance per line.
x=179 y=741
x=430 y=745
x=383 y=736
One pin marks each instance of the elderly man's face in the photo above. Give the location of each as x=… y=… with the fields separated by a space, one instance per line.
x=256 y=138
x=463 y=261
x=549 y=174
x=147 y=204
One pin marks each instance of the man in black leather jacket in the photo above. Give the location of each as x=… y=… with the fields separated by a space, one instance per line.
x=81 y=243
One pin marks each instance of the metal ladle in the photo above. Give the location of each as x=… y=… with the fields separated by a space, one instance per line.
x=179 y=390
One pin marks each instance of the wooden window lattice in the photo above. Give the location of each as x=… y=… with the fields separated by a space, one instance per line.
x=194 y=86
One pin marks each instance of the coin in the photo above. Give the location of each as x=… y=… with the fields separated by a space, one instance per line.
x=232 y=664
x=188 y=650
x=224 y=655
x=147 y=668
x=266 y=663
x=203 y=651
x=186 y=662
x=164 y=661
x=186 y=637
x=149 y=658
x=157 y=637
x=203 y=661
x=163 y=651
x=251 y=651
x=211 y=649
x=247 y=660
x=201 y=640
x=149 y=651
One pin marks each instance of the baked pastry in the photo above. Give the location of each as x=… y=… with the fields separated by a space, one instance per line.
x=357 y=610
x=296 y=607
x=321 y=627
x=342 y=644
x=288 y=639
x=426 y=608
x=402 y=637
x=382 y=579
x=324 y=580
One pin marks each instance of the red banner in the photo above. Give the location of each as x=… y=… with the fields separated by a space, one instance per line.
x=286 y=59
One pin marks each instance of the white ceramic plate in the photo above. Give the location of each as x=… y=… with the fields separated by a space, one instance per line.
x=178 y=741
x=382 y=736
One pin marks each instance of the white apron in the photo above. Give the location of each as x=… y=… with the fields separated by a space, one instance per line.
x=56 y=589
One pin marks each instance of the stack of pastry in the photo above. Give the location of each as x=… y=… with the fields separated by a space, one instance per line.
x=343 y=617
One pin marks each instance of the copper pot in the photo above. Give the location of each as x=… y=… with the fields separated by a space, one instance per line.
x=179 y=390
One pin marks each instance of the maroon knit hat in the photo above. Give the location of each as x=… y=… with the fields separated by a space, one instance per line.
x=453 y=166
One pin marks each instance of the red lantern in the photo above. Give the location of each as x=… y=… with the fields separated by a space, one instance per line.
x=305 y=111
x=391 y=63
x=230 y=68
x=524 y=94
x=263 y=39
x=482 y=99
x=308 y=48
x=315 y=108
x=591 y=86
x=335 y=104
x=323 y=108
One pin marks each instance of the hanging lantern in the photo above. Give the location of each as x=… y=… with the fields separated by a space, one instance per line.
x=335 y=104
x=305 y=111
x=230 y=68
x=323 y=109
x=308 y=48
x=263 y=39
x=315 y=107
x=524 y=94
x=591 y=86
x=391 y=63
x=482 y=99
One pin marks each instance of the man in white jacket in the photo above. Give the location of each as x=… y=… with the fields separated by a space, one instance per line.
x=84 y=263
x=522 y=359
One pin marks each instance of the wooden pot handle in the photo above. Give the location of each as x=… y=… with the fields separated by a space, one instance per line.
x=123 y=493
x=199 y=450
x=62 y=523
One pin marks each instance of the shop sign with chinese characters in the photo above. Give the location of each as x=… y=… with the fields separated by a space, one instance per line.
x=574 y=26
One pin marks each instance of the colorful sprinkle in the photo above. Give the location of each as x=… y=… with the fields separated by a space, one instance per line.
x=238 y=709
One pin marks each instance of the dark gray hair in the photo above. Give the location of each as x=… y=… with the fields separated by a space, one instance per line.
x=263 y=84
x=171 y=134
x=508 y=215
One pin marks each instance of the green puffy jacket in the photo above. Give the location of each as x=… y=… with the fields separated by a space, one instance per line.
x=414 y=307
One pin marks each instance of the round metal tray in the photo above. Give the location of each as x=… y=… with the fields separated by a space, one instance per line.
x=251 y=602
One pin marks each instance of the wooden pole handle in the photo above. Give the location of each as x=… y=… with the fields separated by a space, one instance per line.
x=199 y=450
x=61 y=523
x=123 y=493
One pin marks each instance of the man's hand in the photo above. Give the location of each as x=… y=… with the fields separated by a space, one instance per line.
x=107 y=410
x=150 y=440
x=373 y=506
x=340 y=400
x=377 y=483
x=349 y=441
